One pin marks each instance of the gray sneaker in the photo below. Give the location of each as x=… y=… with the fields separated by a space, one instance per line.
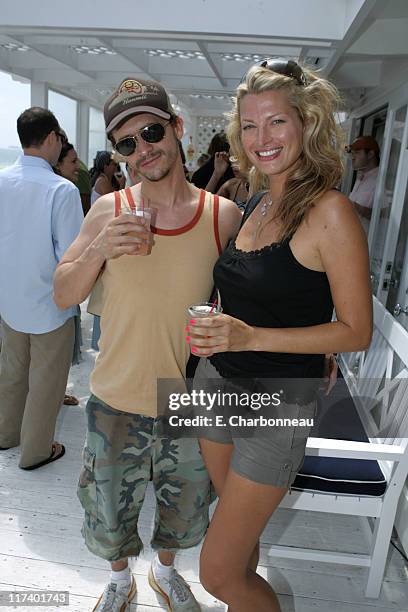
x=175 y=591
x=116 y=596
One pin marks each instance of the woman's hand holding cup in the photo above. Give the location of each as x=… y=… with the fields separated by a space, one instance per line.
x=214 y=332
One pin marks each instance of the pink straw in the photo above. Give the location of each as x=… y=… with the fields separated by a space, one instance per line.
x=213 y=305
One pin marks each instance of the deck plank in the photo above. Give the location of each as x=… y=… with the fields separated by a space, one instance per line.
x=41 y=545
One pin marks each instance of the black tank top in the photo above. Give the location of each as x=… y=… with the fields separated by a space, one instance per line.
x=270 y=288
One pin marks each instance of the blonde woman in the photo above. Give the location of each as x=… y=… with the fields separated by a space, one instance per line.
x=300 y=250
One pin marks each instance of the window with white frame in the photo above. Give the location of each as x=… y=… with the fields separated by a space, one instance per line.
x=65 y=110
x=97 y=138
x=15 y=97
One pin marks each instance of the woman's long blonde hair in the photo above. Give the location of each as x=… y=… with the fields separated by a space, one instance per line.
x=319 y=167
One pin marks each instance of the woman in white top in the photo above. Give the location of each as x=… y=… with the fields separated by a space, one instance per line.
x=103 y=179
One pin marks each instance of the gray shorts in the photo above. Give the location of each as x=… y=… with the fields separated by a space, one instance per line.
x=266 y=453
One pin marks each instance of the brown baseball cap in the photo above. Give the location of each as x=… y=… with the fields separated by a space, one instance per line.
x=134 y=96
x=364 y=142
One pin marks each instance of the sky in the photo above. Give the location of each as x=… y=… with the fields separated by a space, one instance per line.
x=16 y=97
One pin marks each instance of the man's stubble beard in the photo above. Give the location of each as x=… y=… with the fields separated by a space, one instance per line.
x=158 y=174
x=155 y=179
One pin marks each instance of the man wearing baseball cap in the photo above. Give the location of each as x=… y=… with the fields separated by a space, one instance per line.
x=143 y=320
x=365 y=158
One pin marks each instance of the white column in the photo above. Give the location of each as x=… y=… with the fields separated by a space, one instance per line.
x=83 y=131
x=39 y=94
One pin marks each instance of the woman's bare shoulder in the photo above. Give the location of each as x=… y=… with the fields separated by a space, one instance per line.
x=334 y=219
x=333 y=207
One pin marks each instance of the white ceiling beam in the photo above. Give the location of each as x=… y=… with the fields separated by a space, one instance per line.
x=86 y=94
x=355 y=57
x=211 y=63
x=60 y=77
x=143 y=67
x=265 y=45
x=204 y=84
x=5 y=63
x=362 y=20
x=359 y=74
x=385 y=36
x=193 y=68
x=147 y=42
x=129 y=36
x=60 y=55
x=112 y=78
x=7 y=67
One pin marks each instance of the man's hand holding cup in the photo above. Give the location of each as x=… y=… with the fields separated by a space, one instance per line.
x=127 y=234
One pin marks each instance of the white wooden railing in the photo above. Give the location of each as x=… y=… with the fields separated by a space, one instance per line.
x=378 y=383
x=377 y=373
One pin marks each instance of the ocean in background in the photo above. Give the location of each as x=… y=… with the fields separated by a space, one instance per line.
x=8 y=156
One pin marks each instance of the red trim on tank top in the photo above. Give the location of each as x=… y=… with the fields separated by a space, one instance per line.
x=117 y=203
x=130 y=199
x=216 y=226
x=178 y=230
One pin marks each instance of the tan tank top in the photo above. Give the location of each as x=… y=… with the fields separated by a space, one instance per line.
x=143 y=316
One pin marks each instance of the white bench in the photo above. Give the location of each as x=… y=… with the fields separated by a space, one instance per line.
x=382 y=375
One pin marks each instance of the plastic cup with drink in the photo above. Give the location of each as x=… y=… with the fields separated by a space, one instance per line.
x=141 y=210
x=203 y=310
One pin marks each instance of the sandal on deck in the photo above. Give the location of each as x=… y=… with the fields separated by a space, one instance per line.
x=58 y=451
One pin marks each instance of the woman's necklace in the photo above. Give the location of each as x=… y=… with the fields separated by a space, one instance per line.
x=265 y=208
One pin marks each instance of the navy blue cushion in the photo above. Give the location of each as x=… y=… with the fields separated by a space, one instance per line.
x=338 y=419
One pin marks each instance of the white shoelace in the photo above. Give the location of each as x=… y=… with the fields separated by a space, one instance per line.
x=112 y=591
x=179 y=587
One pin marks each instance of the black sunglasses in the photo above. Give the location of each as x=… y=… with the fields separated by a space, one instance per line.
x=150 y=133
x=287 y=68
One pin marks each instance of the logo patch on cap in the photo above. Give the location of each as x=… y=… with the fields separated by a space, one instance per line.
x=132 y=86
x=135 y=96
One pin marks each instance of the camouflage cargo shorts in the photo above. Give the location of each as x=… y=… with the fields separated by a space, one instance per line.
x=123 y=451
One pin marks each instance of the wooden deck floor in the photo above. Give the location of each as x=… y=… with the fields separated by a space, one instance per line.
x=41 y=545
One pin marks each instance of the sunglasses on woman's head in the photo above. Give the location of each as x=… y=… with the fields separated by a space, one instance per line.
x=287 y=68
x=150 y=133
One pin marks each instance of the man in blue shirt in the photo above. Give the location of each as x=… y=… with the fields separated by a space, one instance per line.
x=40 y=216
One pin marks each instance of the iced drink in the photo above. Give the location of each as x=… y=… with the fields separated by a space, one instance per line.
x=205 y=309
x=144 y=248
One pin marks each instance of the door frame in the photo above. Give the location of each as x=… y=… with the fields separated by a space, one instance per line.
x=402 y=296
x=397 y=207
x=394 y=99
